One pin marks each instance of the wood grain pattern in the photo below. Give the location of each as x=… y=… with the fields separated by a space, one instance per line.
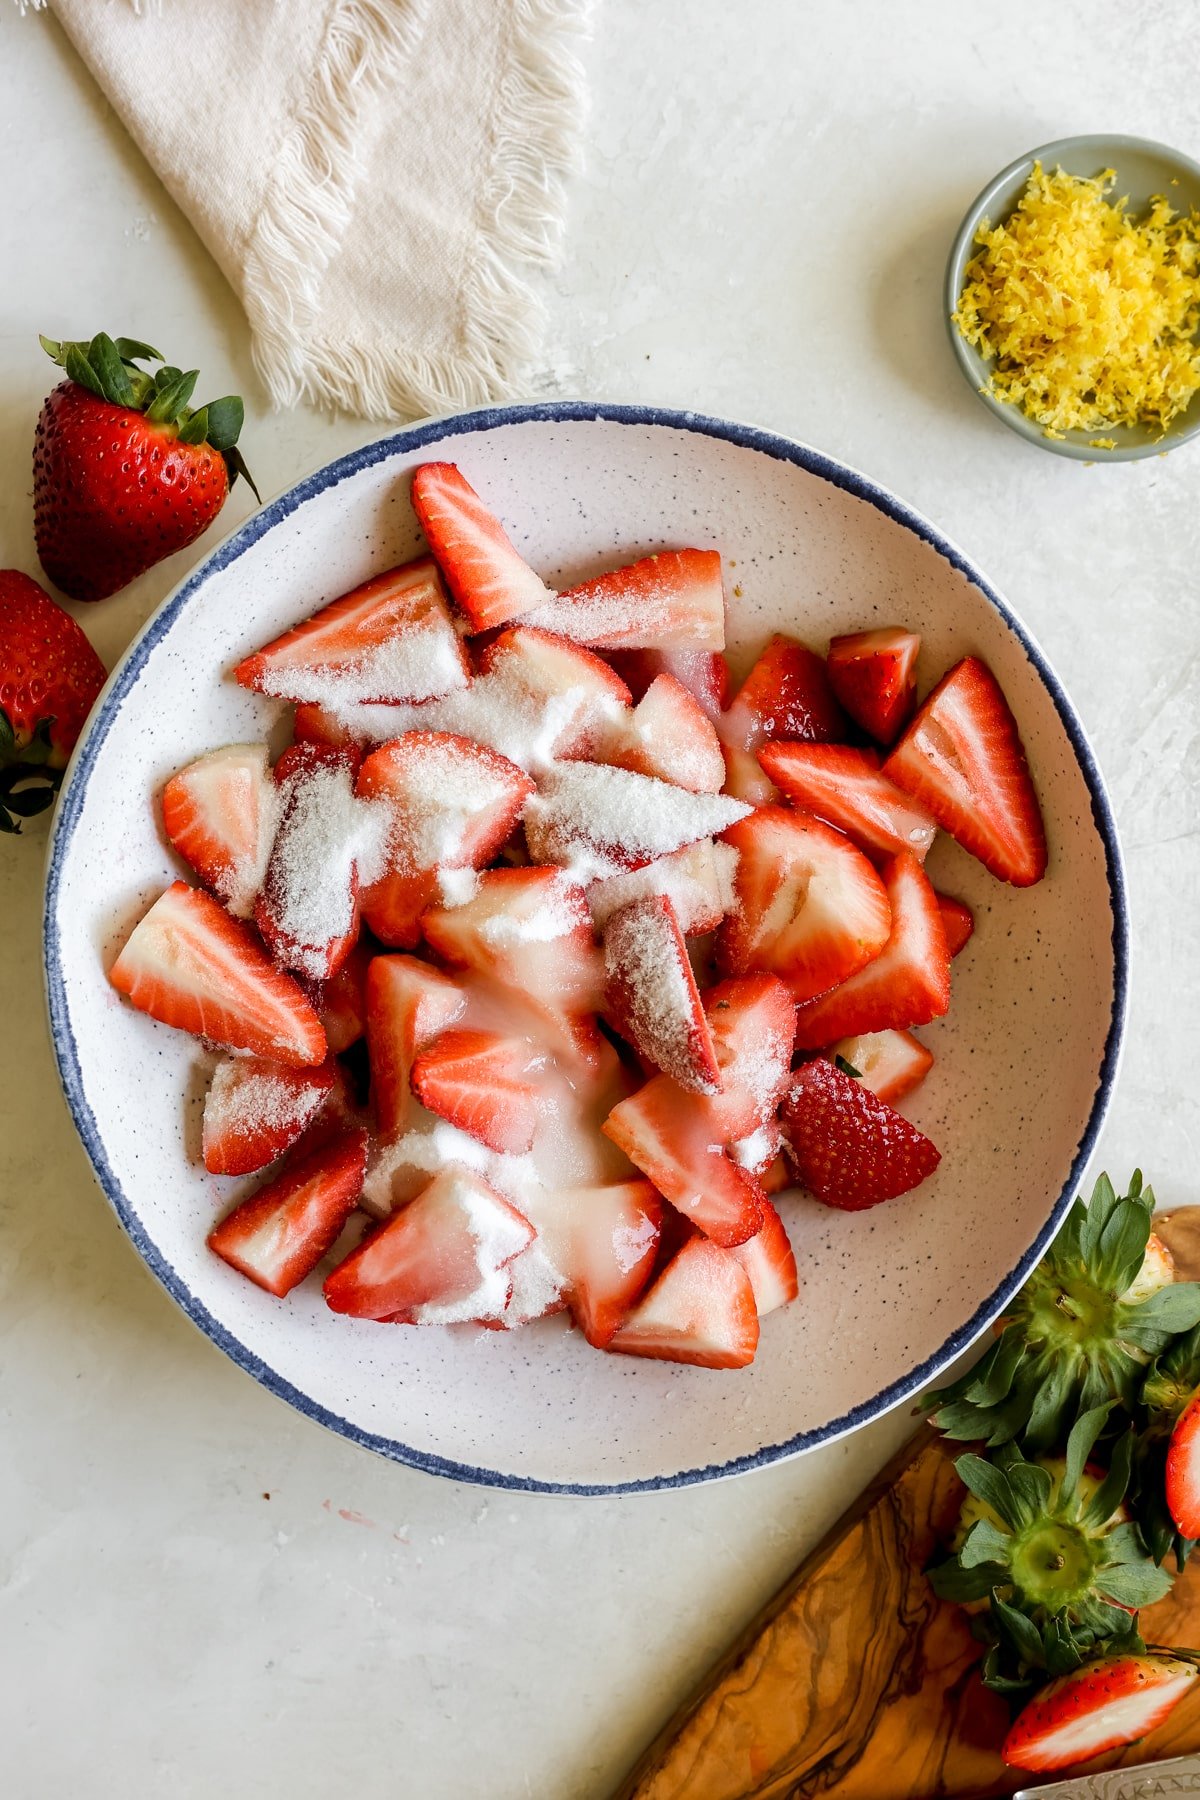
x=856 y=1683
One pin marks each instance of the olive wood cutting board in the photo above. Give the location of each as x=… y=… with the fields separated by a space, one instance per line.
x=856 y=1683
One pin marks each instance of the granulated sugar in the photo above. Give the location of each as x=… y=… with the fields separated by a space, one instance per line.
x=498 y=1238
x=697 y=880
x=657 y=996
x=674 y=597
x=553 y=910
x=325 y=836
x=536 y=1287
x=597 y=821
x=247 y=1096
x=760 y=1149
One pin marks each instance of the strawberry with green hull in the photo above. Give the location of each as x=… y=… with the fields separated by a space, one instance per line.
x=1100 y=1707
x=49 y=679
x=125 y=470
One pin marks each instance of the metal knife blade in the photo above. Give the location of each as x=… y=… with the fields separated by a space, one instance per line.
x=1181 y=1775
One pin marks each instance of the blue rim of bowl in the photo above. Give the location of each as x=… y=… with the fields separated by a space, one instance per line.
x=1002 y=410
x=126 y=674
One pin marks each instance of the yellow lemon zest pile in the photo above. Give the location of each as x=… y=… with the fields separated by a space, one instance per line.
x=1090 y=316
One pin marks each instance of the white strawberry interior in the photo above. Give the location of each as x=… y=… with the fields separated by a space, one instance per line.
x=1117 y=1721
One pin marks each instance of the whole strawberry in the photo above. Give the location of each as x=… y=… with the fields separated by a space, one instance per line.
x=125 y=472
x=49 y=678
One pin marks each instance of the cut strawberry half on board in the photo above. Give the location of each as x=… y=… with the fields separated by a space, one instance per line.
x=697 y=880
x=669 y=1135
x=1183 y=1471
x=675 y=598
x=704 y=673
x=490 y=580
x=963 y=759
x=441 y=1260
x=845 y=787
x=890 y=1063
x=220 y=813
x=958 y=921
x=255 y=1110
x=190 y=965
x=700 y=1310
x=597 y=821
x=342 y=1002
x=874 y=675
x=451 y=804
x=486 y=1084
x=908 y=983
x=408 y=1005
x=1097 y=1708
x=668 y=734
x=849 y=1148
x=809 y=906
x=652 y=994
x=392 y=639
x=768 y=1260
x=279 y=1235
x=307 y=910
x=752 y=1020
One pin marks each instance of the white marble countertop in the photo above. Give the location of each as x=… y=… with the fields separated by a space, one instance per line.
x=202 y=1593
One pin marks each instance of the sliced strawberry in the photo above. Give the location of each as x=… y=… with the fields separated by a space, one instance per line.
x=962 y=757
x=441 y=1260
x=342 y=1002
x=704 y=673
x=697 y=880
x=308 y=910
x=535 y=1290
x=958 y=921
x=487 y=1085
x=874 y=675
x=752 y=1020
x=255 y=1110
x=809 y=905
x=667 y=734
x=451 y=804
x=279 y=1235
x=391 y=639
x=313 y=724
x=849 y=1148
x=490 y=580
x=220 y=814
x=674 y=598
x=188 y=964
x=408 y=1004
x=1096 y=1708
x=1183 y=1471
x=700 y=1310
x=845 y=787
x=785 y=695
x=340 y=1112
x=668 y=1134
x=542 y=696
x=603 y=1239
x=890 y=1063
x=908 y=984
x=598 y=821
x=652 y=994
x=768 y=1260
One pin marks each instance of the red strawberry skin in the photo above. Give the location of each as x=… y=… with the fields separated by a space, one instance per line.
x=787 y=695
x=1183 y=1471
x=485 y=1084
x=874 y=675
x=113 y=494
x=958 y=922
x=849 y=1148
x=48 y=669
x=279 y=1235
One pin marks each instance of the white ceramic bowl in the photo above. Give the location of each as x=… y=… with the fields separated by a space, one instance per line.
x=1025 y=1060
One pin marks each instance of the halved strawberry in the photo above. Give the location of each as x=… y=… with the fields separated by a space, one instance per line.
x=1106 y=1703
x=540 y=696
x=844 y=786
x=704 y=673
x=962 y=757
x=220 y=813
x=769 y=1262
x=652 y=994
x=1183 y=1471
x=874 y=675
x=809 y=905
x=700 y=1310
x=307 y=909
x=604 y=1240
x=849 y=1148
x=667 y=734
x=597 y=820
x=890 y=1063
x=279 y=1235
x=441 y=1260
x=486 y=1084
x=188 y=964
x=255 y=1110
x=958 y=920
x=490 y=580
x=451 y=804
x=669 y=1135
x=674 y=598
x=392 y=639
x=313 y=724
x=342 y=1002
x=697 y=880
x=408 y=1004
x=907 y=984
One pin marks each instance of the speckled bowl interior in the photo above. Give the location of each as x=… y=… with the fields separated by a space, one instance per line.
x=1024 y=1062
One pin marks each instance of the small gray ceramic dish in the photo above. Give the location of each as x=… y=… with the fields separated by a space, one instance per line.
x=1144 y=169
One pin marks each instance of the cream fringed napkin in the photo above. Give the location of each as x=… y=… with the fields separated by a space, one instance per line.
x=376 y=178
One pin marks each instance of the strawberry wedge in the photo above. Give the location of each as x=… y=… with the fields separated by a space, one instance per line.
x=874 y=675
x=308 y=911
x=408 y=1005
x=958 y=921
x=598 y=821
x=1183 y=1471
x=701 y=1310
x=845 y=787
x=190 y=965
x=848 y=1147
x=669 y=1135
x=392 y=639
x=652 y=994
x=697 y=880
x=220 y=813
x=963 y=759
x=255 y=1110
x=342 y=1001
x=769 y=1262
x=704 y=673
x=490 y=580
x=280 y=1234
x=668 y=734
x=890 y=1063
x=486 y=1084
x=1097 y=1708
x=675 y=598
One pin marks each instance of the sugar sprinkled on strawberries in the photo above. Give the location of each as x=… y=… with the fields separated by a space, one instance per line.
x=597 y=820
x=326 y=834
x=419 y=663
x=498 y=1238
x=657 y=994
x=250 y=1100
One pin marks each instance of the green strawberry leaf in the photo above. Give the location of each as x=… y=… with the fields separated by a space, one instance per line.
x=1109 y=1495
x=1059 y=1648
x=171 y=399
x=1032 y=1487
x=990 y=1485
x=1134 y=1584
x=1019 y=1631
x=80 y=370
x=1080 y=1445
x=235 y=462
x=7 y=737
x=984 y=1544
x=132 y=350
x=110 y=371
x=195 y=429
x=950 y=1581
x=225 y=420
